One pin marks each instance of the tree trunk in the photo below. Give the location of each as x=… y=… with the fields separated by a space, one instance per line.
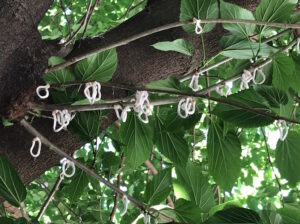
x=24 y=56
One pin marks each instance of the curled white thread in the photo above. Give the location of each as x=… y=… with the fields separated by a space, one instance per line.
x=45 y=89
x=224 y=90
x=298 y=45
x=62 y=118
x=198 y=27
x=186 y=107
x=262 y=76
x=155 y=221
x=92 y=92
x=38 y=152
x=66 y=164
x=124 y=111
x=125 y=203
x=142 y=106
x=283 y=131
x=147 y=218
x=246 y=78
x=194 y=85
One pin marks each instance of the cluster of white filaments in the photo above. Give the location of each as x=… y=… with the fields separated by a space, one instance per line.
x=61 y=119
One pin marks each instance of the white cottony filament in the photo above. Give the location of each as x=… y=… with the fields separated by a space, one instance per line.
x=246 y=78
x=186 y=107
x=45 y=89
x=142 y=106
x=225 y=90
x=124 y=111
x=92 y=92
x=38 y=152
x=147 y=219
x=66 y=164
x=125 y=203
x=298 y=45
x=262 y=76
x=198 y=27
x=283 y=129
x=194 y=85
x=62 y=118
x=155 y=221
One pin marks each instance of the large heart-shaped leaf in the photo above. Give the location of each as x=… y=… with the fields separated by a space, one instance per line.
x=171 y=145
x=232 y=11
x=288 y=156
x=283 y=71
x=274 y=96
x=98 y=67
x=11 y=187
x=187 y=212
x=180 y=45
x=234 y=215
x=200 y=9
x=242 y=117
x=138 y=138
x=158 y=188
x=224 y=152
x=75 y=189
x=196 y=185
x=274 y=11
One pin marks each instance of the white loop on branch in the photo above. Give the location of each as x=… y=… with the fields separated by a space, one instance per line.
x=45 y=89
x=260 y=72
x=38 y=152
x=142 y=106
x=224 y=90
x=125 y=203
x=283 y=129
x=298 y=45
x=186 y=107
x=194 y=84
x=62 y=118
x=92 y=92
x=245 y=79
x=198 y=27
x=124 y=111
x=65 y=165
x=147 y=218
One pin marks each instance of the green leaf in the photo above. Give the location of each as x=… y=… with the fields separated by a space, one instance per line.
x=187 y=212
x=60 y=76
x=5 y=220
x=234 y=215
x=274 y=96
x=274 y=11
x=232 y=11
x=196 y=185
x=283 y=71
x=290 y=214
x=74 y=190
x=245 y=49
x=158 y=188
x=180 y=45
x=170 y=83
x=172 y=145
x=86 y=124
x=98 y=67
x=200 y=9
x=242 y=117
x=287 y=157
x=224 y=154
x=138 y=138
x=110 y=159
x=11 y=187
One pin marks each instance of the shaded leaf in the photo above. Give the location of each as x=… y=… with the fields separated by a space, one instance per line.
x=170 y=83
x=290 y=214
x=187 y=212
x=180 y=45
x=274 y=96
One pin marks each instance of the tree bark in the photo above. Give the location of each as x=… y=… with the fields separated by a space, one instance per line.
x=24 y=56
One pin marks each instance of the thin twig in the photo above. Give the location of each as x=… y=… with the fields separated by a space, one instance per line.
x=89 y=17
x=66 y=16
x=163 y=28
x=50 y=196
x=112 y=214
x=132 y=7
x=89 y=171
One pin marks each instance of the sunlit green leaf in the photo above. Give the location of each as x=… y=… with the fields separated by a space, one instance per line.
x=180 y=45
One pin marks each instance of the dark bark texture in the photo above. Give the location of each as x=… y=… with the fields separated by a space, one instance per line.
x=24 y=56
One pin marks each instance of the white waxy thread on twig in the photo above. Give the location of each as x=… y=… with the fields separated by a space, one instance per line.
x=62 y=118
x=256 y=72
x=92 y=92
x=198 y=27
x=45 y=89
x=245 y=79
x=147 y=218
x=224 y=90
x=65 y=165
x=142 y=106
x=194 y=84
x=186 y=107
x=298 y=46
x=283 y=129
x=125 y=203
x=124 y=111
x=39 y=147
